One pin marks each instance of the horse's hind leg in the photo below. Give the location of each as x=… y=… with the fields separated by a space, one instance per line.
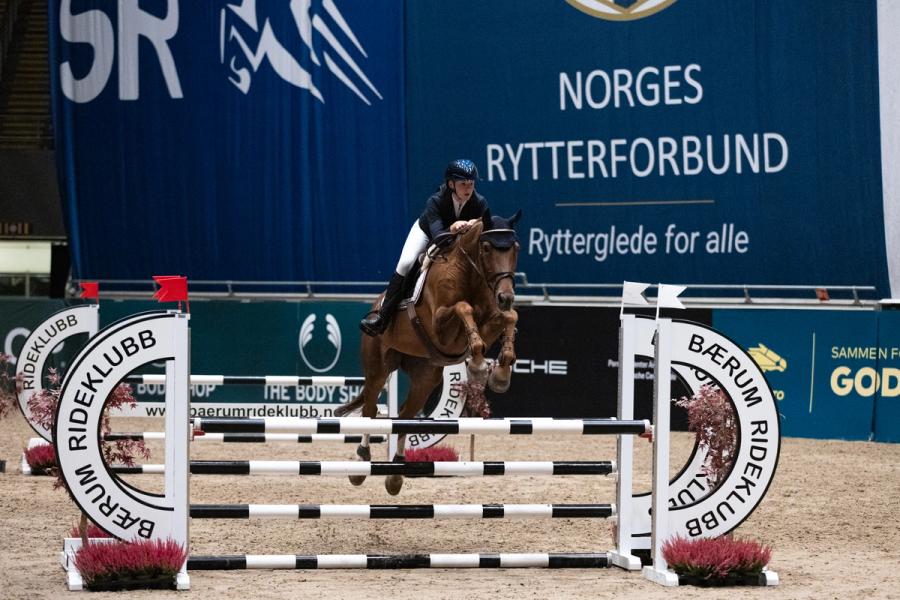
x=423 y=379
x=370 y=410
x=393 y=483
x=376 y=369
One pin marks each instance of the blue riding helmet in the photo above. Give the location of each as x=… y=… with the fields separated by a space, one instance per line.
x=460 y=170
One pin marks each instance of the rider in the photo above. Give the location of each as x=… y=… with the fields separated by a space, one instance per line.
x=455 y=207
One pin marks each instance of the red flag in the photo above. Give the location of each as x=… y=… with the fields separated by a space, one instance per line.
x=90 y=289
x=172 y=288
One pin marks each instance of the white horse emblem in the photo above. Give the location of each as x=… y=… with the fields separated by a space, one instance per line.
x=315 y=28
x=333 y=338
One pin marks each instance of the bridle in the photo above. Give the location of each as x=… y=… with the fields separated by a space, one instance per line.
x=493 y=279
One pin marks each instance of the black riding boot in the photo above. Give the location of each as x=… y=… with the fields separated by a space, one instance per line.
x=377 y=321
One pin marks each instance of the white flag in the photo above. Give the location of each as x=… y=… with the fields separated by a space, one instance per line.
x=633 y=293
x=668 y=296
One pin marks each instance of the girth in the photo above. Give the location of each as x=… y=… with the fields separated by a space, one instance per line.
x=435 y=355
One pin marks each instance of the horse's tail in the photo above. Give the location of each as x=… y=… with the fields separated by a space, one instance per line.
x=346 y=409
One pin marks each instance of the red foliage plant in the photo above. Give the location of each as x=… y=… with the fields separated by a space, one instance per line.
x=477 y=404
x=9 y=385
x=43 y=408
x=41 y=459
x=711 y=416
x=432 y=454
x=716 y=559
x=102 y=564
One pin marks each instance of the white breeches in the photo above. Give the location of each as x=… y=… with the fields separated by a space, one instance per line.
x=416 y=243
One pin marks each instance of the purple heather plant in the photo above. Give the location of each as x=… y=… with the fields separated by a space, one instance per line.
x=716 y=559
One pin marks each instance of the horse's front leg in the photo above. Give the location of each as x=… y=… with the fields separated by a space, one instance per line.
x=501 y=374
x=476 y=365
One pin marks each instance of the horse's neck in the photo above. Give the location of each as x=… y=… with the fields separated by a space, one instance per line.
x=469 y=274
x=460 y=276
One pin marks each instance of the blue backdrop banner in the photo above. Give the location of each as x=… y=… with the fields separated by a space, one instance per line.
x=696 y=141
x=230 y=140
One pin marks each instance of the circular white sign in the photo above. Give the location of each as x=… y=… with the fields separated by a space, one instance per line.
x=700 y=355
x=119 y=509
x=41 y=343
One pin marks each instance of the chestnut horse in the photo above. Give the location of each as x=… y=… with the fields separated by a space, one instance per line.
x=464 y=307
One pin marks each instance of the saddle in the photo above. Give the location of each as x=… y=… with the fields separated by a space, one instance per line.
x=415 y=279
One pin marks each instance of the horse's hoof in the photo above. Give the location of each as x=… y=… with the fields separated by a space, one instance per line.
x=498 y=385
x=364 y=453
x=479 y=378
x=392 y=484
x=477 y=374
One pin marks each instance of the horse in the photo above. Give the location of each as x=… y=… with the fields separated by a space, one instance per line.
x=465 y=305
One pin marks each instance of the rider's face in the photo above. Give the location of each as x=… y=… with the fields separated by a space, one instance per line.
x=462 y=189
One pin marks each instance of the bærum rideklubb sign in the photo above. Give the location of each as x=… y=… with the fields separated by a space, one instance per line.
x=119 y=509
x=701 y=355
x=41 y=343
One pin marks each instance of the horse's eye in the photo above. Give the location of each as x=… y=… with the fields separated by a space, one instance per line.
x=486 y=246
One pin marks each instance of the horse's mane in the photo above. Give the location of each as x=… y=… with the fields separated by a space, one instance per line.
x=455 y=269
x=468 y=241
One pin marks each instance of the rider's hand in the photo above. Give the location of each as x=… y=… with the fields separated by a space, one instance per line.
x=460 y=226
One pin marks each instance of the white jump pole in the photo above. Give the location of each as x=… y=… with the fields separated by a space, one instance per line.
x=178 y=449
x=393 y=412
x=622 y=555
x=662 y=394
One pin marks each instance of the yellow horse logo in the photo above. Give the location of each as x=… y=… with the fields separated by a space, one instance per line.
x=767 y=359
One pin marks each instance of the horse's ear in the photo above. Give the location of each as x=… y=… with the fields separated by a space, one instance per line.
x=515 y=219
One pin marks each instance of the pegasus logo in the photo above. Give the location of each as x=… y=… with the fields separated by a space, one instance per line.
x=322 y=347
x=767 y=359
x=315 y=26
x=621 y=10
